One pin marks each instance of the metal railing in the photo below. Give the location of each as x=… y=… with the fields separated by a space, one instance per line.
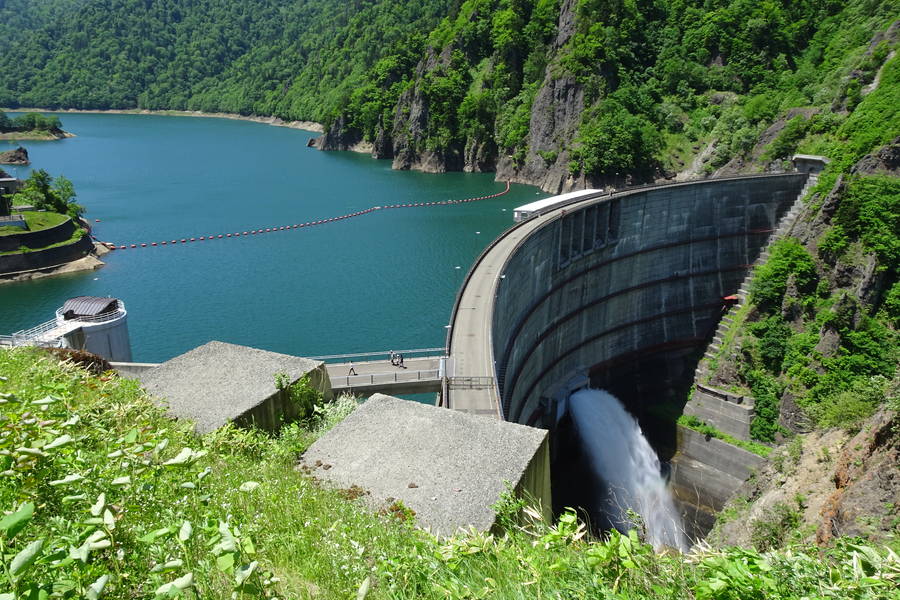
x=101 y=318
x=38 y=331
x=382 y=353
x=471 y=382
x=350 y=381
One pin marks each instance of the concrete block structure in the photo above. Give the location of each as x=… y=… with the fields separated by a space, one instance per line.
x=447 y=466
x=218 y=383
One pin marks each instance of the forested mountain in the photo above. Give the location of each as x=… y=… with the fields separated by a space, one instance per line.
x=552 y=92
x=289 y=58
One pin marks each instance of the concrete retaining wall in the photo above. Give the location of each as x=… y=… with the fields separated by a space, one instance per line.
x=726 y=412
x=624 y=275
x=279 y=409
x=705 y=473
x=42 y=259
x=38 y=239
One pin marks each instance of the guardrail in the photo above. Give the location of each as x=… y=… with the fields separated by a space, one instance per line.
x=381 y=353
x=350 y=381
x=101 y=318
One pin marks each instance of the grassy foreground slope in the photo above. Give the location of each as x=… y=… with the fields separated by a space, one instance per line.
x=104 y=497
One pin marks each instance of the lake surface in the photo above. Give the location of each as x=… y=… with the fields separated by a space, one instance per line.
x=380 y=281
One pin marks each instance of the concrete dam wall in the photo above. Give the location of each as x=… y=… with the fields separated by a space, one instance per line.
x=628 y=289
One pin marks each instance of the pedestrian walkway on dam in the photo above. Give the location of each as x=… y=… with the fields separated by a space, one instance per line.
x=474 y=389
x=422 y=371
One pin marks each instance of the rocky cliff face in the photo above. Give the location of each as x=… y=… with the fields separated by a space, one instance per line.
x=555 y=116
x=411 y=123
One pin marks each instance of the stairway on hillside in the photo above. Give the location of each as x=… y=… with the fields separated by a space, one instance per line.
x=726 y=411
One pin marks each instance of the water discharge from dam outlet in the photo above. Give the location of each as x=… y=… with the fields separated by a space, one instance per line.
x=627 y=467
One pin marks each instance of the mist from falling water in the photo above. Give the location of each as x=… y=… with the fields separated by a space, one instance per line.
x=623 y=460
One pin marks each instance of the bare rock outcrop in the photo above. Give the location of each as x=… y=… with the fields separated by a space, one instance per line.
x=19 y=156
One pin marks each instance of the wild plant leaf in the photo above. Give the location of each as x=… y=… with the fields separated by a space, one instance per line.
x=101 y=545
x=119 y=481
x=26 y=557
x=184 y=534
x=363 y=590
x=153 y=535
x=228 y=543
x=166 y=567
x=188 y=485
x=73 y=498
x=241 y=575
x=96 y=536
x=247 y=546
x=80 y=553
x=71 y=478
x=13 y=523
x=187 y=456
x=99 y=505
x=225 y=562
x=131 y=437
x=109 y=520
x=95 y=589
x=31 y=451
x=249 y=486
x=173 y=588
x=59 y=442
x=161 y=446
x=115 y=454
x=73 y=420
x=46 y=400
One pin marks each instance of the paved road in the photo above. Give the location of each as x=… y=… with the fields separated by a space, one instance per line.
x=470 y=334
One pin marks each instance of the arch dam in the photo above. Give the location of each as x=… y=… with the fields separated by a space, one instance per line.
x=624 y=291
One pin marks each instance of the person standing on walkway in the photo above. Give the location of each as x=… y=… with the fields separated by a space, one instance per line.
x=352 y=370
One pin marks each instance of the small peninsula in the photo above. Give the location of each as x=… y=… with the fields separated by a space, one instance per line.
x=31 y=126
x=41 y=229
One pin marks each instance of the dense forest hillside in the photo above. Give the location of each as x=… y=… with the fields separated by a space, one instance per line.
x=553 y=92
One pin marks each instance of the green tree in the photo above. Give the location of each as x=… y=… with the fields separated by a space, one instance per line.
x=41 y=191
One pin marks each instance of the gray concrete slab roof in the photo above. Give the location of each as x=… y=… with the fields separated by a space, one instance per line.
x=449 y=467
x=218 y=382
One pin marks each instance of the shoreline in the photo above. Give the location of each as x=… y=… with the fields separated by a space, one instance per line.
x=90 y=262
x=274 y=121
x=30 y=137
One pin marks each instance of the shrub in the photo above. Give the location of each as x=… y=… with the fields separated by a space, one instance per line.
x=770 y=531
x=766 y=395
x=788 y=257
x=773 y=336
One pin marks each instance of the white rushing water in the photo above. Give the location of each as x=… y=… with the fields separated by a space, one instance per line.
x=623 y=459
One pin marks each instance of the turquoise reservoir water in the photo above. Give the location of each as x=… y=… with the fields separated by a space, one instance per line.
x=383 y=280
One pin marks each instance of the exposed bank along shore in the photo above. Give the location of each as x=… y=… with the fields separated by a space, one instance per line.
x=277 y=122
